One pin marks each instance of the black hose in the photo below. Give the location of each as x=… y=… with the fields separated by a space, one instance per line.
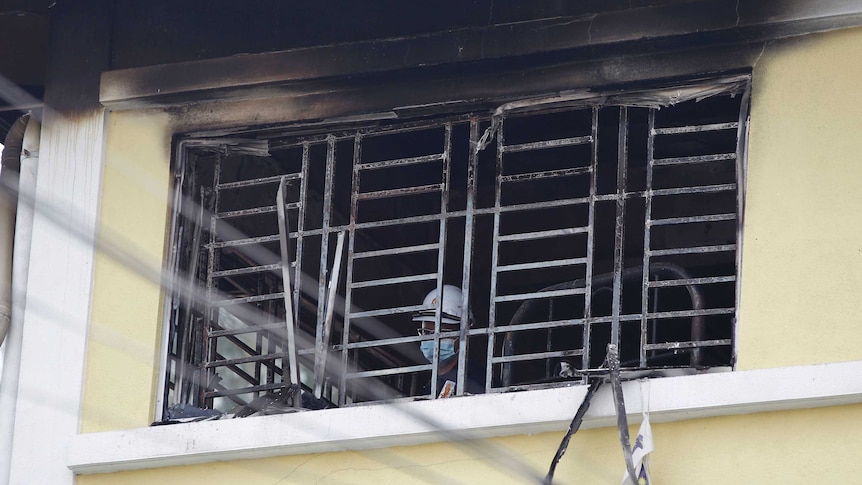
x=573 y=428
x=600 y=281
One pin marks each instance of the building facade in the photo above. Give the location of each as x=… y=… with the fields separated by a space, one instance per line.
x=745 y=116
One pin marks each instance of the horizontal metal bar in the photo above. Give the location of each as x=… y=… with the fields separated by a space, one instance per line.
x=243 y=242
x=387 y=372
x=242 y=360
x=406 y=127
x=693 y=250
x=555 y=263
x=248 y=299
x=382 y=194
x=673 y=130
x=693 y=219
x=500 y=329
x=388 y=311
x=540 y=295
x=537 y=356
x=275 y=237
x=244 y=390
x=615 y=196
x=394 y=281
x=565 y=172
x=540 y=145
x=395 y=341
x=688 y=345
x=526 y=236
x=367 y=344
x=402 y=250
x=254 y=211
x=248 y=270
x=637 y=194
x=401 y=221
x=698 y=189
x=246 y=212
x=536 y=205
x=258 y=181
x=689 y=313
x=399 y=162
x=241 y=331
x=694 y=159
x=635 y=317
x=691 y=281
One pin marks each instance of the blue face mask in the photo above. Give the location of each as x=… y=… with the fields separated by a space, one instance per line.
x=447 y=349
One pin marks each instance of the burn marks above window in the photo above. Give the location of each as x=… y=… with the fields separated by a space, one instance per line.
x=583 y=222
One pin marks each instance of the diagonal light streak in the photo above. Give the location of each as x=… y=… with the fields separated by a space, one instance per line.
x=123 y=252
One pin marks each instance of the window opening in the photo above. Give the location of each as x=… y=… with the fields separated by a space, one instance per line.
x=586 y=221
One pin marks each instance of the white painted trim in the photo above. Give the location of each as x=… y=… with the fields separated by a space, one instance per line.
x=59 y=287
x=409 y=423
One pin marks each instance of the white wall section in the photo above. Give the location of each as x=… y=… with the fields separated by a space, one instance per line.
x=58 y=297
x=482 y=416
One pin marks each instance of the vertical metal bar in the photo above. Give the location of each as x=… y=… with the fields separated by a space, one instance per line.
x=654 y=309
x=270 y=347
x=619 y=229
x=647 y=227
x=258 y=374
x=186 y=342
x=300 y=227
x=290 y=326
x=549 y=341
x=258 y=340
x=171 y=316
x=495 y=250
x=588 y=278
x=210 y=312
x=322 y=349
x=179 y=171
x=345 y=333
x=324 y=239
x=180 y=337
x=441 y=257
x=352 y=391
x=469 y=240
x=741 y=170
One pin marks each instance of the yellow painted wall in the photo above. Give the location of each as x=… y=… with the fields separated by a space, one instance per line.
x=800 y=304
x=791 y=447
x=124 y=340
x=802 y=245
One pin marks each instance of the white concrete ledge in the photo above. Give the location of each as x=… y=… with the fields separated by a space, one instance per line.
x=409 y=423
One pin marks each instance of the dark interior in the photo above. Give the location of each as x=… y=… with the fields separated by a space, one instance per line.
x=542 y=188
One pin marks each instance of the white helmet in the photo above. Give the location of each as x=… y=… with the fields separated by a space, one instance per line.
x=450 y=308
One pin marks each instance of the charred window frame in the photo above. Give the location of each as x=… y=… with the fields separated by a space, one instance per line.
x=570 y=221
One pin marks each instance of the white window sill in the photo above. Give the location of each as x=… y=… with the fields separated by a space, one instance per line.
x=410 y=423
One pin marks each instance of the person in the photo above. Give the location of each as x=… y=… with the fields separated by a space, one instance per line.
x=451 y=311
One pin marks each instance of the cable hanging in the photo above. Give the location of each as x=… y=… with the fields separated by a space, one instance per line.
x=573 y=428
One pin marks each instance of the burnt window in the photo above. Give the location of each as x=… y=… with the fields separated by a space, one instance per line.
x=569 y=223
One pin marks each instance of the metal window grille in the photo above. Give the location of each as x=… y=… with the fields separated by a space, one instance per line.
x=587 y=221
